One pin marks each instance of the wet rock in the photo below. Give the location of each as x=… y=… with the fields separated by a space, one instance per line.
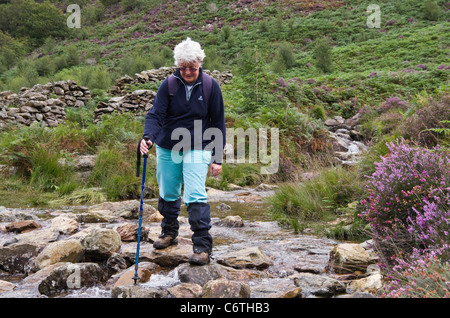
x=65 y=224
x=173 y=255
x=223 y=288
x=293 y=293
x=126 y=209
x=128 y=232
x=40 y=236
x=223 y=207
x=115 y=264
x=22 y=226
x=71 y=276
x=275 y=288
x=154 y=217
x=97 y=216
x=186 y=290
x=318 y=285
x=251 y=257
x=231 y=221
x=15 y=258
x=138 y=291
x=200 y=275
x=7 y=215
x=345 y=139
x=357 y=295
x=348 y=258
x=145 y=271
x=169 y=257
x=128 y=251
x=6 y=286
x=61 y=251
x=100 y=243
x=369 y=284
x=265 y=187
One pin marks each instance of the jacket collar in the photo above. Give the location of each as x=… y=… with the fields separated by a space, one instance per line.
x=199 y=78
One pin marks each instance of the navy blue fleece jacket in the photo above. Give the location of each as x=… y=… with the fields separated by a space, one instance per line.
x=182 y=111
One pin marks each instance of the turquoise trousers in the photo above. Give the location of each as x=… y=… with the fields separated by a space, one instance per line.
x=175 y=169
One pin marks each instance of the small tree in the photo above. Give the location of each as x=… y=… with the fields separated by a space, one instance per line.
x=431 y=10
x=322 y=55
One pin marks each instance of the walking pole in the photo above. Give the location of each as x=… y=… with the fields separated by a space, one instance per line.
x=136 y=266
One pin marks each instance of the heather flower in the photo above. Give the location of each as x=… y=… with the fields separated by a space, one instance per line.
x=421 y=66
x=390 y=22
x=394 y=103
x=408 y=202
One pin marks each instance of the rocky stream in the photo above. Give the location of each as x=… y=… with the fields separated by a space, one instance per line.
x=89 y=252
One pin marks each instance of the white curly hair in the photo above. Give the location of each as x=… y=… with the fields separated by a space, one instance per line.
x=188 y=51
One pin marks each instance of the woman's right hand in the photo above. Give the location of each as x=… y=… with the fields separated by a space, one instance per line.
x=145 y=146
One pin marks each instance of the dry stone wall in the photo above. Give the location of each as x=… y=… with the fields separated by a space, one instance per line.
x=140 y=101
x=46 y=103
x=41 y=103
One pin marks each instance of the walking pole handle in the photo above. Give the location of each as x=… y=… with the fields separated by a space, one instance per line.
x=138 y=155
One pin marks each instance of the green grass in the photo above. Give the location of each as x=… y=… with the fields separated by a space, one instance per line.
x=261 y=43
x=317 y=199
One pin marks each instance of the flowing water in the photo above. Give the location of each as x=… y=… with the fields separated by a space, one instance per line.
x=290 y=252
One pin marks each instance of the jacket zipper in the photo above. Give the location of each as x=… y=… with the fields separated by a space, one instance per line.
x=185 y=88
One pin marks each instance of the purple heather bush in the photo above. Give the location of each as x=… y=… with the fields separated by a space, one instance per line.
x=423 y=275
x=421 y=66
x=394 y=103
x=408 y=201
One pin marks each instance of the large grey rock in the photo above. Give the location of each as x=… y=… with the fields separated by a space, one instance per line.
x=318 y=285
x=61 y=251
x=71 y=276
x=15 y=258
x=200 y=275
x=223 y=288
x=251 y=257
x=348 y=258
x=100 y=243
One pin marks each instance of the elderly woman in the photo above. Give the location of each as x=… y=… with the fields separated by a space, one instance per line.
x=186 y=109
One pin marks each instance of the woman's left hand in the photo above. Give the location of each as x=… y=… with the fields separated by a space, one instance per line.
x=215 y=169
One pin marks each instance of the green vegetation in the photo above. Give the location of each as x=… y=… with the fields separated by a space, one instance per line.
x=294 y=64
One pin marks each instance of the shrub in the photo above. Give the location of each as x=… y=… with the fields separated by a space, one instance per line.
x=49 y=45
x=423 y=276
x=72 y=56
x=318 y=112
x=423 y=125
x=34 y=20
x=286 y=54
x=107 y=3
x=128 y=5
x=322 y=55
x=394 y=103
x=96 y=77
x=135 y=62
x=431 y=10
x=410 y=185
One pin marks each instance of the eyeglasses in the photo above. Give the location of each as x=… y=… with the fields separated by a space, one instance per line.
x=190 y=69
